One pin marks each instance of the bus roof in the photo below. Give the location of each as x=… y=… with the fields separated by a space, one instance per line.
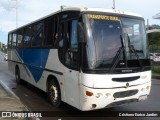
x=84 y=9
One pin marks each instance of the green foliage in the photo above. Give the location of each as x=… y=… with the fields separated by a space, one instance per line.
x=0 y=44
x=156 y=69
x=154 y=39
x=154 y=48
x=154 y=27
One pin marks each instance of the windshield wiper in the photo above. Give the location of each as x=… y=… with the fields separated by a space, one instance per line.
x=133 y=50
x=117 y=56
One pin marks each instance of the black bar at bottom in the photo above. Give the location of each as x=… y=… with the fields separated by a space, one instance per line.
x=80 y=114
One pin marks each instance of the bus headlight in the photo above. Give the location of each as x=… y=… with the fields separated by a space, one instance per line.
x=107 y=95
x=98 y=95
x=142 y=89
x=148 y=87
x=144 y=77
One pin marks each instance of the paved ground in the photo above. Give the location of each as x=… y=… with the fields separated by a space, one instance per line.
x=9 y=103
x=1 y=58
x=8 y=100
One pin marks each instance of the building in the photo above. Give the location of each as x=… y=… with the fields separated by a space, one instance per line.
x=157 y=16
x=154 y=32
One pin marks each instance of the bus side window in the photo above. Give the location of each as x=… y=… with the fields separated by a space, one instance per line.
x=71 y=54
x=61 y=43
x=27 y=36
x=55 y=35
x=37 y=35
x=10 y=40
x=14 y=40
x=50 y=32
x=19 y=39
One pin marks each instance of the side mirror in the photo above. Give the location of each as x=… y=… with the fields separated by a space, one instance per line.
x=80 y=33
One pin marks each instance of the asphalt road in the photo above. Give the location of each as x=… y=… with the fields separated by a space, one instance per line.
x=36 y=100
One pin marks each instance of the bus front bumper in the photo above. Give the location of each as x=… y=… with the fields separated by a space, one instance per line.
x=92 y=99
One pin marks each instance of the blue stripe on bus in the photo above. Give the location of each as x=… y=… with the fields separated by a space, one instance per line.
x=35 y=60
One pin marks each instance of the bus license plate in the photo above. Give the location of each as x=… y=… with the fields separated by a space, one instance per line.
x=143 y=97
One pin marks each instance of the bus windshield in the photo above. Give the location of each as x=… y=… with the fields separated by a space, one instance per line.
x=114 y=41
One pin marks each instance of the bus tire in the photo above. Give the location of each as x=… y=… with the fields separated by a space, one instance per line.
x=54 y=94
x=17 y=75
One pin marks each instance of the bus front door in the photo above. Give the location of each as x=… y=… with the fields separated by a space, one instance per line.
x=70 y=61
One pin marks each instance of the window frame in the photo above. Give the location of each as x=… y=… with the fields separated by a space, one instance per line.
x=10 y=37
x=14 y=33
x=64 y=48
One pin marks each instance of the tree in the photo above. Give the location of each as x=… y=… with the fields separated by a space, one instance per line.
x=154 y=39
x=154 y=27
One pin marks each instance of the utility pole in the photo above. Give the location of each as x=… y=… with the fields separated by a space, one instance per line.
x=114 y=6
x=147 y=24
x=16 y=12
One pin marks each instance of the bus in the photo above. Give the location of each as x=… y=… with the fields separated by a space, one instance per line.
x=89 y=58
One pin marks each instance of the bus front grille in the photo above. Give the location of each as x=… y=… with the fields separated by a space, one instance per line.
x=121 y=102
x=125 y=93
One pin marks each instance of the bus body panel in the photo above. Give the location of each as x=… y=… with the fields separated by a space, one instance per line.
x=29 y=75
x=71 y=83
x=106 y=80
x=87 y=102
x=103 y=85
x=68 y=81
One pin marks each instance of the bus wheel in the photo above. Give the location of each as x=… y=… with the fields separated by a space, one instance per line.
x=54 y=93
x=17 y=75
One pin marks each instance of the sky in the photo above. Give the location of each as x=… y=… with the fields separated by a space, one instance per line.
x=30 y=10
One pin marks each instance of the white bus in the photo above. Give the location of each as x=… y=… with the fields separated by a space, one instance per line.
x=89 y=58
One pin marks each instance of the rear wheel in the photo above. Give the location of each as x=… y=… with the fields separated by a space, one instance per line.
x=54 y=93
x=17 y=75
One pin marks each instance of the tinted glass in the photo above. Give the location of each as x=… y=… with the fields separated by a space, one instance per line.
x=19 y=38
x=49 y=32
x=106 y=41
x=10 y=40
x=115 y=42
x=134 y=35
x=71 y=53
x=27 y=36
x=37 y=34
x=14 y=40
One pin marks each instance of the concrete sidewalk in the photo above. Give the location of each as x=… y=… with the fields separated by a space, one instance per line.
x=10 y=102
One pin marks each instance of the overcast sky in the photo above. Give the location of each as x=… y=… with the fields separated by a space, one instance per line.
x=29 y=10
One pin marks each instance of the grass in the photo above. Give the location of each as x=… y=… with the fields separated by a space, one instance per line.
x=156 y=69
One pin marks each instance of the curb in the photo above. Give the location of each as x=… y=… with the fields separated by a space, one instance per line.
x=8 y=90
x=12 y=94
